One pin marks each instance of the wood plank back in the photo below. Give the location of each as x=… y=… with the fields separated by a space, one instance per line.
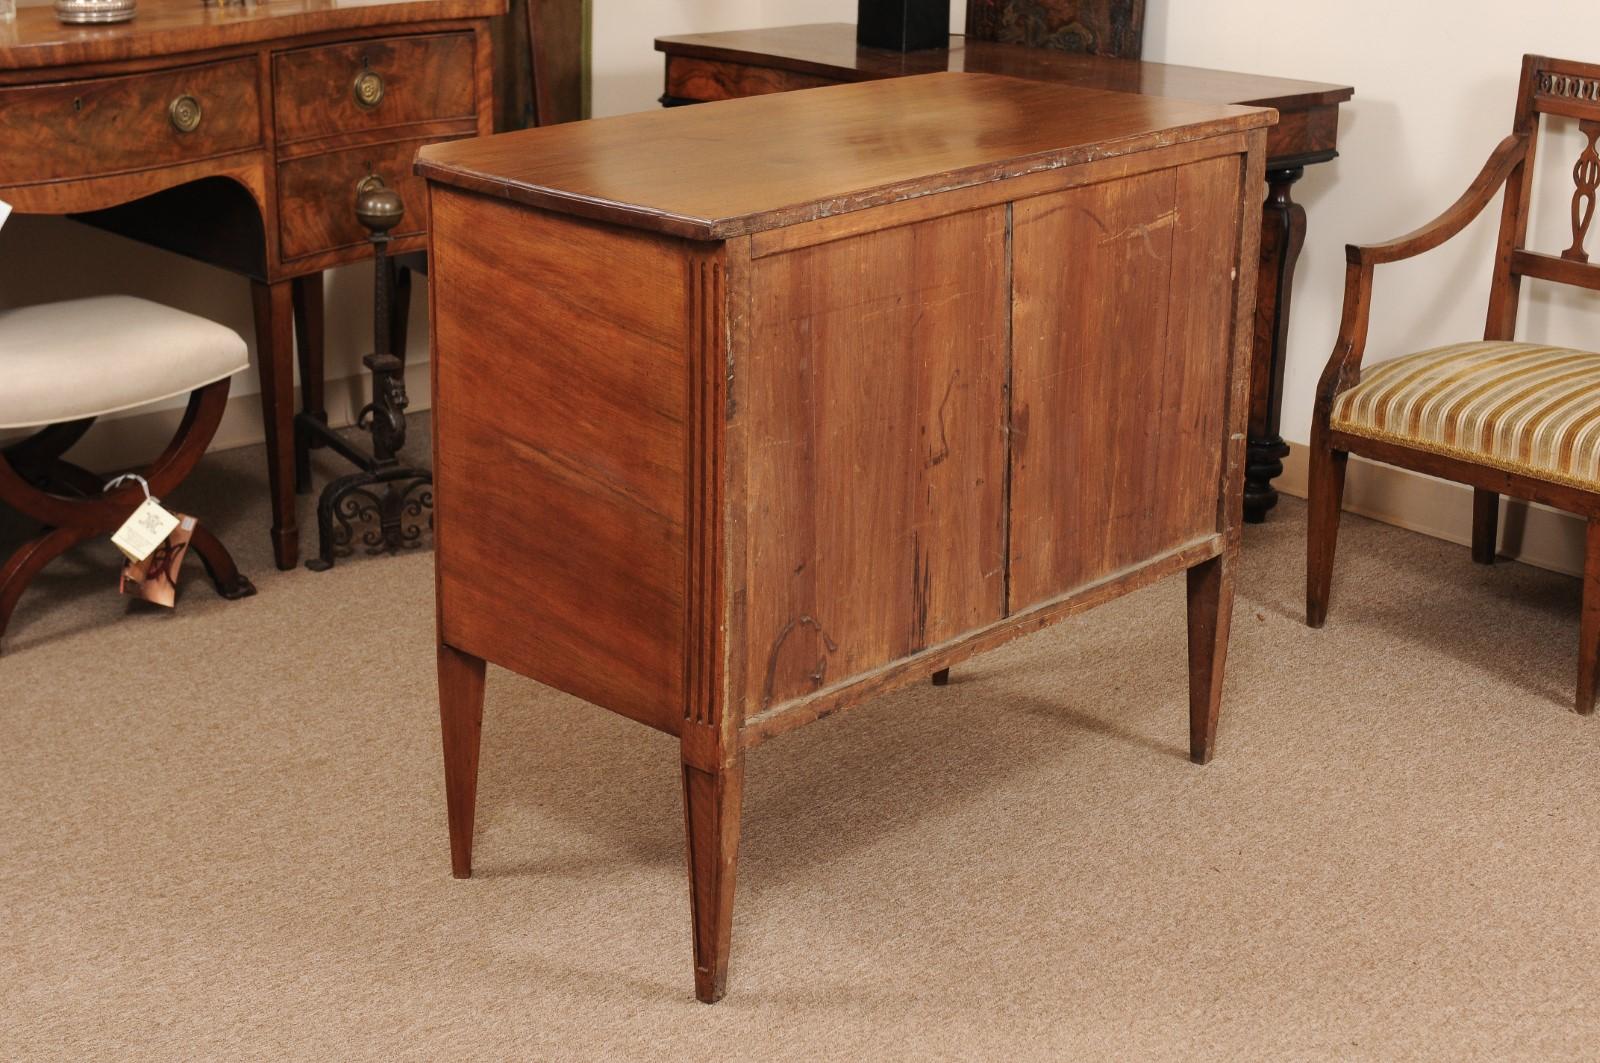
x=1118 y=388
x=876 y=405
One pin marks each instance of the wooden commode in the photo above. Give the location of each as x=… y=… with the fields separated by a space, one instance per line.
x=747 y=412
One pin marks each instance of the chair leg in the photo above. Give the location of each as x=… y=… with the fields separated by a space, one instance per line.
x=1326 y=489
x=225 y=575
x=1589 y=625
x=27 y=562
x=1485 y=525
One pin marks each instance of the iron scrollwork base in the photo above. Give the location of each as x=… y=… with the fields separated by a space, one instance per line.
x=394 y=506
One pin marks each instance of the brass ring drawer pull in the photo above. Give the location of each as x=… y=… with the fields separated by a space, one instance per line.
x=184 y=113
x=369 y=183
x=367 y=88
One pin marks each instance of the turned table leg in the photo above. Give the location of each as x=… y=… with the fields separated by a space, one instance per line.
x=1283 y=233
x=274 y=317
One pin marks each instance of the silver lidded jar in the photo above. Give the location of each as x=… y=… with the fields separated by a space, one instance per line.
x=79 y=12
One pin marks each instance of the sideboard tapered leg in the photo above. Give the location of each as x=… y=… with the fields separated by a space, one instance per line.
x=711 y=801
x=1210 y=616
x=461 y=724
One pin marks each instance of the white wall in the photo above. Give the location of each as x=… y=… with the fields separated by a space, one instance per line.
x=1435 y=87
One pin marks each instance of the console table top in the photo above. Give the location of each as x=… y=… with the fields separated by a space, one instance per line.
x=829 y=49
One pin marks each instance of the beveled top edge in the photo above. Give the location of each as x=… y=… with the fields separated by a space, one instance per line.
x=709 y=172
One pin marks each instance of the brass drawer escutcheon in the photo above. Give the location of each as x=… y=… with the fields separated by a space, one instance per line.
x=367 y=88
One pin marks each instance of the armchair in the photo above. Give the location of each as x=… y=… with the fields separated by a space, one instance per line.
x=1520 y=419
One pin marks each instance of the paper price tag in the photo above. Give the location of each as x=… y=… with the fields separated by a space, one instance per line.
x=147 y=529
x=155 y=579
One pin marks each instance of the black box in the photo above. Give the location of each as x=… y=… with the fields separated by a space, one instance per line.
x=903 y=25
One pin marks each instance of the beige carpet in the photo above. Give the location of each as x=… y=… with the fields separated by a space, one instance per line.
x=222 y=836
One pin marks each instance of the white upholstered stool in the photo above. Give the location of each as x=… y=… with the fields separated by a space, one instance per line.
x=64 y=364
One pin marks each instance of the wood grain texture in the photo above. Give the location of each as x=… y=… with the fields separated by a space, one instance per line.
x=876 y=406
x=1210 y=616
x=461 y=682
x=1121 y=346
x=425 y=77
x=584 y=521
x=836 y=155
x=1094 y=27
x=745 y=484
x=115 y=124
x=36 y=40
x=316 y=196
x=711 y=807
x=721 y=66
x=829 y=50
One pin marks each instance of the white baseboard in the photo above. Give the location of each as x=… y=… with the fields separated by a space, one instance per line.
x=1529 y=532
x=125 y=442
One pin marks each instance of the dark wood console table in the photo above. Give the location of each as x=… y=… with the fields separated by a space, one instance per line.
x=719 y=66
x=237 y=135
x=725 y=444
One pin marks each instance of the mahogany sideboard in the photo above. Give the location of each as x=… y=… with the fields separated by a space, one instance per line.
x=237 y=135
x=745 y=413
x=720 y=66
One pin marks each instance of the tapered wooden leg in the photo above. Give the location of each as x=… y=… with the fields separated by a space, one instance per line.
x=274 y=314
x=309 y=331
x=1589 y=625
x=308 y=334
x=461 y=725
x=941 y=677
x=711 y=801
x=400 y=311
x=1326 y=488
x=1210 y=618
x=1485 y=525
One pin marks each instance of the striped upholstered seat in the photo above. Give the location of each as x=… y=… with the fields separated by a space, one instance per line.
x=1522 y=407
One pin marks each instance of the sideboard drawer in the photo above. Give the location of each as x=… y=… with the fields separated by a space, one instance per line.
x=111 y=125
x=388 y=81
x=317 y=196
x=708 y=80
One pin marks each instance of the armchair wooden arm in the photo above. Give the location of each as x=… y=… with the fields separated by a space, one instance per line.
x=1345 y=360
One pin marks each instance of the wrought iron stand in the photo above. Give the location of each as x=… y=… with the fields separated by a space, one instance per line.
x=393 y=495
